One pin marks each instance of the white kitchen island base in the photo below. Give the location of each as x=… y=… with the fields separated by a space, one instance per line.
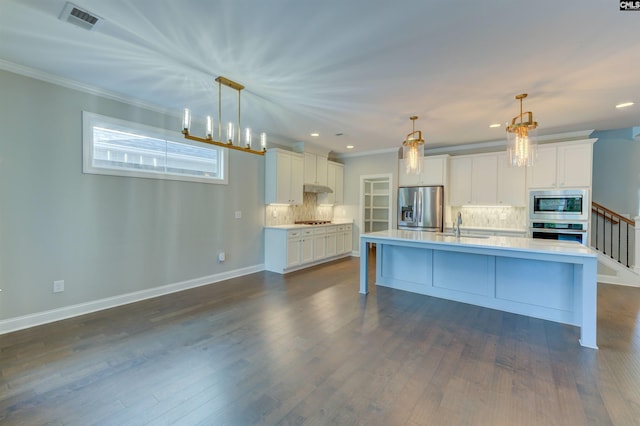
x=549 y=280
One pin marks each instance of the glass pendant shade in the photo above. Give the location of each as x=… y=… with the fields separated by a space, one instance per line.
x=413 y=154
x=413 y=150
x=521 y=146
x=522 y=138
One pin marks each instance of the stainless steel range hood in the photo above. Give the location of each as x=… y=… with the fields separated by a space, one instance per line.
x=308 y=187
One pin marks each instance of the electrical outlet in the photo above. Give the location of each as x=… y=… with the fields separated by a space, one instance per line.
x=221 y=257
x=58 y=286
x=274 y=213
x=238 y=214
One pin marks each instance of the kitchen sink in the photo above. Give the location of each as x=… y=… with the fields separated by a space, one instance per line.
x=451 y=234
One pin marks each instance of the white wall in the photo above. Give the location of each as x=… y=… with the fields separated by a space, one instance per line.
x=106 y=236
x=616 y=171
x=354 y=168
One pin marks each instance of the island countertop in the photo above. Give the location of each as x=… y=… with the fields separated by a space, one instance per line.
x=551 y=280
x=524 y=244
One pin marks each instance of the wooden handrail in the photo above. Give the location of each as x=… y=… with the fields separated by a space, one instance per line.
x=596 y=207
x=604 y=216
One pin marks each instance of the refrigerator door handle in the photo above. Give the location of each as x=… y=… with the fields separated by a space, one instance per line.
x=414 y=209
x=419 y=217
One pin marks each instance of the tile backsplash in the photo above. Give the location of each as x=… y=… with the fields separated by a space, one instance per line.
x=491 y=217
x=309 y=210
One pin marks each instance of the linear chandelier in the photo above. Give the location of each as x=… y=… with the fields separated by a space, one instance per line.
x=230 y=130
x=413 y=149
x=521 y=138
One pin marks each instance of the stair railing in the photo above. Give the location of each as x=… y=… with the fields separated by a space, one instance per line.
x=612 y=233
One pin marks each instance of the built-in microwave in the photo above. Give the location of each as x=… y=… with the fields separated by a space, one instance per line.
x=567 y=204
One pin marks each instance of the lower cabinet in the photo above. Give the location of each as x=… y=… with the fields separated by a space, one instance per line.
x=287 y=250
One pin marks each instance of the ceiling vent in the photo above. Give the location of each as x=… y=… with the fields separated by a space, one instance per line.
x=77 y=16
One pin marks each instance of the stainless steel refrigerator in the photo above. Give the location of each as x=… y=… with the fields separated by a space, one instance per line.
x=421 y=208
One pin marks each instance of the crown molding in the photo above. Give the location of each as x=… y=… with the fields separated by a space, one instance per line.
x=82 y=87
x=365 y=153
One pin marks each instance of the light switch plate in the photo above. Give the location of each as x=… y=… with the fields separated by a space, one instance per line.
x=238 y=214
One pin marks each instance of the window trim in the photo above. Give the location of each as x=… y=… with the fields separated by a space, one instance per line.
x=90 y=119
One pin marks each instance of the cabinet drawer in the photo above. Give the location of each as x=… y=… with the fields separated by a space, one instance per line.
x=348 y=227
x=340 y=228
x=320 y=231
x=307 y=232
x=293 y=233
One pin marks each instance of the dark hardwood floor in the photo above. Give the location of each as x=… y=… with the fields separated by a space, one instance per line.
x=306 y=348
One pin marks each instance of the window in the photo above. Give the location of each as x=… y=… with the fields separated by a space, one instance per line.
x=121 y=148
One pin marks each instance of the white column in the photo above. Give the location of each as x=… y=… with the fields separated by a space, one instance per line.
x=636 y=257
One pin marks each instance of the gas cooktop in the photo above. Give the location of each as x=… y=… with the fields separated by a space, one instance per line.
x=312 y=222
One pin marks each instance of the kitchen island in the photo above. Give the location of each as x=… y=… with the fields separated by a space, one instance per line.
x=550 y=280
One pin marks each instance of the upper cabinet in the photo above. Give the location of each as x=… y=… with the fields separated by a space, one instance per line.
x=315 y=169
x=512 y=189
x=485 y=179
x=562 y=165
x=434 y=172
x=335 y=181
x=283 y=177
x=460 y=181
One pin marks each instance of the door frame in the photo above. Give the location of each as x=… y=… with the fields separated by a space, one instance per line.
x=381 y=176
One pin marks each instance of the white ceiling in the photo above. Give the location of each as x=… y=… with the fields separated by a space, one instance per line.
x=357 y=67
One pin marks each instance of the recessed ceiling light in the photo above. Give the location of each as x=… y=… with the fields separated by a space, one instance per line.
x=349 y=146
x=315 y=134
x=495 y=125
x=624 y=105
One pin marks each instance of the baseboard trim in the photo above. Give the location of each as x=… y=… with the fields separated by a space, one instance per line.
x=45 y=317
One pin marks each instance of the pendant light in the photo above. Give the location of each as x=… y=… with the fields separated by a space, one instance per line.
x=413 y=149
x=521 y=138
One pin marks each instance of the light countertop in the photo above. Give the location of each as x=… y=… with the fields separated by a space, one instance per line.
x=301 y=225
x=491 y=242
x=487 y=229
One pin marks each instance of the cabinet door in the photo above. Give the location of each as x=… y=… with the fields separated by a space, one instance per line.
x=319 y=246
x=321 y=170
x=309 y=168
x=283 y=180
x=512 y=189
x=331 y=183
x=574 y=165
x=543 y=172
x=340 y=241
x=460 y=186
x=433 y=171
x=331 y=243
x=295 y=179
x=339 y=185
x=348 y=241
x=484 y=179
x=306 y=249
x=293 y=252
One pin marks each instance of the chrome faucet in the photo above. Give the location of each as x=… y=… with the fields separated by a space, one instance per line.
x=456 y=229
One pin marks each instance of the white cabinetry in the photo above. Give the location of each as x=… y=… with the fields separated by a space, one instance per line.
x=434 y=172
x=460 y=181
x=562 y=165
x=292 y=249
x=283 y=177
x=299 y=247
x=512 y=189
x=315 y=169
x=347 y=236
x=485 y=180
x=335 y=181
